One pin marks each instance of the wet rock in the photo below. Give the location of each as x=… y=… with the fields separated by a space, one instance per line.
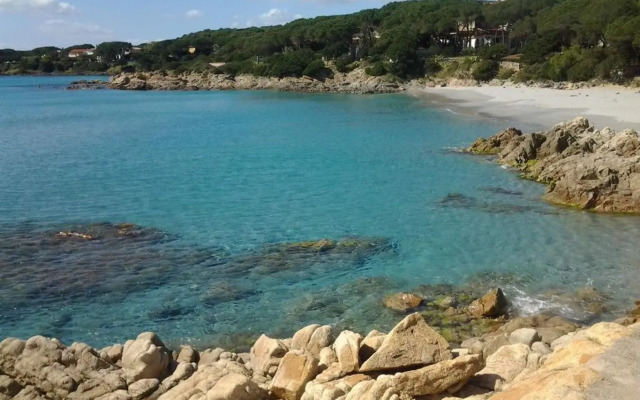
x=411 y=343
x=402 y=301
x=296 y=369
x=491 y=305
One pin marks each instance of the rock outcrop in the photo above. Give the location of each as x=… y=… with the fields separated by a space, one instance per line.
x=583 y=167
x=354 y=82
x=410 y=362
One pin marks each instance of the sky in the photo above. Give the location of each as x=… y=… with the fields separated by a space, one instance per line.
x=26 y=24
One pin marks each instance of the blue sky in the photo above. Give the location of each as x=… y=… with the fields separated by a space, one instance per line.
x=25 y=24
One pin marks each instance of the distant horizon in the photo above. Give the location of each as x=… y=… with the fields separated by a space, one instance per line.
x=29 y=24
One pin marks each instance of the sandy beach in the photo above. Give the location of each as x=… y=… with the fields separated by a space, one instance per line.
x=531 y=108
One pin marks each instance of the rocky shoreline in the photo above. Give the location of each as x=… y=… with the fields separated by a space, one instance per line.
x=356 y=82
x=539 y=357
x=583 y=167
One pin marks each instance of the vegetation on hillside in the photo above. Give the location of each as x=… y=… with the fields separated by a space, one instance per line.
x=557 y=39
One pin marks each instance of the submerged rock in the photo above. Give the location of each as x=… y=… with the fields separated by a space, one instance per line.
x=402 y=301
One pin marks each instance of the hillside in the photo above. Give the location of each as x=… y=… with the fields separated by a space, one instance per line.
x=560 y=40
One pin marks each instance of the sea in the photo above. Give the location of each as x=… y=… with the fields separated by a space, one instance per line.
x=205 y=208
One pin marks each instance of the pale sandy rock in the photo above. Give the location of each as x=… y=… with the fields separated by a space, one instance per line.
x=332 y=390
x=29 y=393
x=567 y=372
x=370 y=344
x=235 y=387
x=96 y=387
x=203 y=380
x=433 y=379
x=562 y=341
x=474 y=345
x=460 y=352
x=143 y=388
x=187 y=355
x=9 y=386
x=541 y=348
x=145 y=358
x=549 y=335
x=502 y=366
x=525 y=336
x=209 y=356
x=411 y=343
x=493 y=344
x=313 y=338
x=117 y=395
x=296 y=369
x=347 y=348
x=360 y=390
x=326 y=357
x=183 y=371
x=266 y=355
x=112 y=354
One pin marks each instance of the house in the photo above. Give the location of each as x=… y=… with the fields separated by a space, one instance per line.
x=75 y=53
x=192 y=49
x=472 y=37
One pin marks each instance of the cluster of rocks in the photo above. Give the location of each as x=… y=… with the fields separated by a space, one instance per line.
x=88 y=84
x=542 y=356
x=582 y=166
x=354 y=82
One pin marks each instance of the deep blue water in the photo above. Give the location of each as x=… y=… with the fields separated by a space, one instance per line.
x=226 y=173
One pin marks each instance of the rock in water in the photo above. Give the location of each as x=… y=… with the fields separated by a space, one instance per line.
x=583 y=167
x=402 y=301
x=411 y=343
x=492 y=305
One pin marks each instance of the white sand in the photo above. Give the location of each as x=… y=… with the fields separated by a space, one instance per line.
x=531 y=108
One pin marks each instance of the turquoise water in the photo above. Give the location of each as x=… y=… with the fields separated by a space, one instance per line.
x=223 y=174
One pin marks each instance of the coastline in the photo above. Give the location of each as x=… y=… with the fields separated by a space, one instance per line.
x=538 y=108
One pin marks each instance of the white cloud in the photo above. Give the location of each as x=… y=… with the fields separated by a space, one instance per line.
x=194 y=14
x=44 y=5
x=275 y=16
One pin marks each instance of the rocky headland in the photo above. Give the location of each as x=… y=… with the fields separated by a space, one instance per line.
x=539 y=357
x=357 y=82
x=582 y=167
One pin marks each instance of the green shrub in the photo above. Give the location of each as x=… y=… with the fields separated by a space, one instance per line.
x=313 y=68
x=376 y=69
x=485 y=70
x=505 y=73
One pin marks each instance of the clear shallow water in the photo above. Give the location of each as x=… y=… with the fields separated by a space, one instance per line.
x=226 y=173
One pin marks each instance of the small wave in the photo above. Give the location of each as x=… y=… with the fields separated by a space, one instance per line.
x=451 y=111
x=526 y=305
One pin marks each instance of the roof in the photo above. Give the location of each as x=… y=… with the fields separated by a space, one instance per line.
x=81 y=51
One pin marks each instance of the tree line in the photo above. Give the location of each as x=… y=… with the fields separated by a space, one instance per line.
x=555 y=39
